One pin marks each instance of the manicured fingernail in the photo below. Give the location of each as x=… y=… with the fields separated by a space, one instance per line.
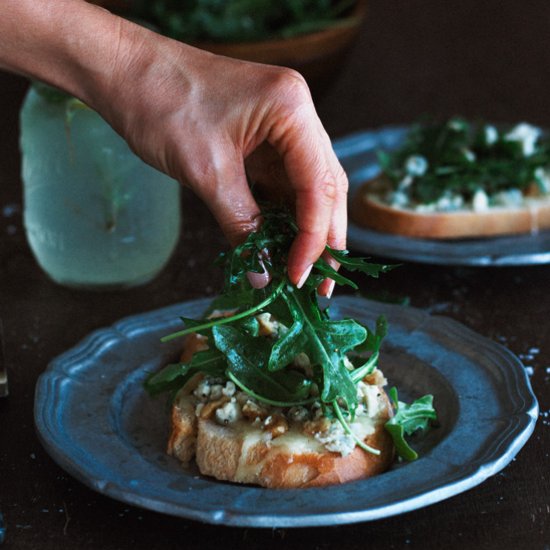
x=304 y=277
x=258 y=280
x=330 y=289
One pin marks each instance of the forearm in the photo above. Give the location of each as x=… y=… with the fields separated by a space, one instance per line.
x=63 y=42
x=70 y=44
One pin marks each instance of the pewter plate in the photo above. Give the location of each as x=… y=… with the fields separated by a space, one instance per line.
x=357 y=153
x=97 y=423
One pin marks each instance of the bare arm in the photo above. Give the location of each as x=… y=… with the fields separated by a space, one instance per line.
x=189 y=113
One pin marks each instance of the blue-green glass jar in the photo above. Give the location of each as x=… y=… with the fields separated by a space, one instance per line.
x=95 y=215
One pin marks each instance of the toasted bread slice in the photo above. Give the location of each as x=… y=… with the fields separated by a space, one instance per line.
x=245 y=452
x=369 y=210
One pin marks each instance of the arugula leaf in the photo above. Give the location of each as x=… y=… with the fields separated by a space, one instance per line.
x=208 y=323
x=325 y=343
x=327 y=271
x=359 y=264
x=175 y=375
x=261 y=366
x=373 y=341
x=305 y=327
x=407 y=420
x=461 y=160
x=247 y=358
x=238 y=299
x=241 y=20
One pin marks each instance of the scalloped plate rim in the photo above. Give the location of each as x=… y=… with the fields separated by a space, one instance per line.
x=525 y=417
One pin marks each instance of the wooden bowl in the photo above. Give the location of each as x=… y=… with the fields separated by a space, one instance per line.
x=317 y=56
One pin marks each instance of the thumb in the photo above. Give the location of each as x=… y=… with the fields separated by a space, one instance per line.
x=237 y=213
x=231 y=202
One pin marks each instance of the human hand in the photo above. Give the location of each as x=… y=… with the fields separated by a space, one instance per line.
x=197 y=117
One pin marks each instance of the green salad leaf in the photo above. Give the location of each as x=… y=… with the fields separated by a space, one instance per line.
x=247 y=357
x=407 y=420
x=241 y=20
x=175 y=375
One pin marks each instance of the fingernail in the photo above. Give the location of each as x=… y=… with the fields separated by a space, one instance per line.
x=330 y=289
x=304 y=277
x=258 y=280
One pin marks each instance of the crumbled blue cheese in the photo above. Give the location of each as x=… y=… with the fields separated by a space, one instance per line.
x=298 y=414
x=416 y=165
x=202 y=391
x=469 y=155
x=449 y=201
x=490 y=135
x=368 y=395
x=229 y=389
x=480 y=201
x=210 y=389
x=336 y=440
x=398 y=199
x=426 y=208
x=228 y=413
x=526 y=135
x=457 y=125
x=316 y=410
x=509 y=198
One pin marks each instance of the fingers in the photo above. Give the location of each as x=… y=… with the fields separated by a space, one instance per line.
x=265 y=168
x=321 y=193
x=335 y=242
x=336 y=238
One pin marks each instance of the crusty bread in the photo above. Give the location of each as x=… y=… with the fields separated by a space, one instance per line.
x=244 y=453
x=369 y=210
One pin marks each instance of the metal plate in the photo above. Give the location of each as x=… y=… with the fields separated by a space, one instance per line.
x=97 y=423
x=358 y=156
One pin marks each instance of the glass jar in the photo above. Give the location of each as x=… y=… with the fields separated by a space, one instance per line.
x=95 y=215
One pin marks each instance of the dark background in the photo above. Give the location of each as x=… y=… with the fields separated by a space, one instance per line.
x=487 y=59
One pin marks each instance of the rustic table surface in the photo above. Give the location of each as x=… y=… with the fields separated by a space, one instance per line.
x=480 y=59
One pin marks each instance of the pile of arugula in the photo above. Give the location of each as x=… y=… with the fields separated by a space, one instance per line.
x=242 y=20
x=258 y=364
x=463 y=157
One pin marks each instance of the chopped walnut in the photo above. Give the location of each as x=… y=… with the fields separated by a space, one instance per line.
x=532 y=190
x=193 y=343
x=375 y=378
x=276 y=425
x=253 y=410
x=208 y=409
x=298 y=414
x=268 y=325
x=312 y=427
x=302 y=363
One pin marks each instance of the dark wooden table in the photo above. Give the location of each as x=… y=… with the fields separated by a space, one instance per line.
x=488 y=59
